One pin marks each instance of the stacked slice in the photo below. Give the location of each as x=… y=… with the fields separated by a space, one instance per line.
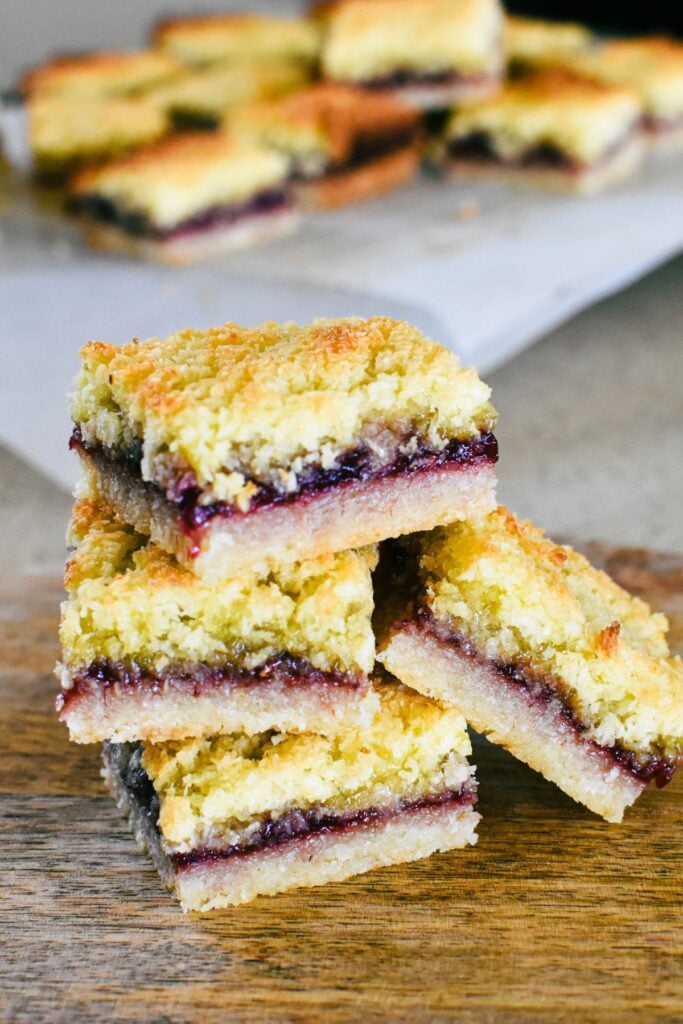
x=217 y=632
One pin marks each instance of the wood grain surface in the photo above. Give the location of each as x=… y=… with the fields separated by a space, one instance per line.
x=554 y=916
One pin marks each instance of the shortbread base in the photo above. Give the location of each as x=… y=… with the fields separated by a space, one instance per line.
x=350 y=515
x=437 y=96
x=154 y=715
x=192 y=247
x=621 y=166
x=328 y=856
x=347 y=187
x=535 y=734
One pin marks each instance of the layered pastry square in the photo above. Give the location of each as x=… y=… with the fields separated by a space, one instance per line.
x=342 y=144
x=239 y=38
x=151 y=652
x=199 y=98
x=428 y=53
x=235 y=447
x=66 y=133
x=543 y=653
x=553 y=129
x=186 y=198
x=653 y=67
x=100 y=75
x=232 y=817
x=533 y=44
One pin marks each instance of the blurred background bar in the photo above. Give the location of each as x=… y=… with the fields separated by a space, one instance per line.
x=609 y=15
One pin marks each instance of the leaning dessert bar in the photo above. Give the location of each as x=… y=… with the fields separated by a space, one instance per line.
x=186 y=198
x=545 y=655
x=232 y=817
x=235 y=447
x=150 y=652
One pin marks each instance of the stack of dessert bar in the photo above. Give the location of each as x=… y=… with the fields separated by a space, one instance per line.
x=258 y=509
x=218 y=630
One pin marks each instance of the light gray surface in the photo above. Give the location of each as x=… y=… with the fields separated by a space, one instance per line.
x=590 y=433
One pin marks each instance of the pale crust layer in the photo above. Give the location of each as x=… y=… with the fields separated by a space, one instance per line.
x=348 y=187
x=123 y=715
x=623 y=165
x=534 y=734
x=315 y=860
x=344 y=517
x=428 y=96
x=195 y=247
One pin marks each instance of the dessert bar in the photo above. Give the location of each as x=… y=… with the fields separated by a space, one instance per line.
x=428 y=53
x=553 y=129
x=184 y=199
x=342 y=144
x=151 y=652
x=532 y=44
x=239 y=39
x=233 y=817
x=100 y=75
x=199 y=98
x=653 y=67
x=543 y=653
x=241 y=446
x=66 y=133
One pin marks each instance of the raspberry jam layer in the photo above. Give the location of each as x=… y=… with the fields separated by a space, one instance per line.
x=357 y=465
x=193 y=680
x=407 y=78
x=105 y=211
x=479 y=146
x=295 y=825
x=546 y=693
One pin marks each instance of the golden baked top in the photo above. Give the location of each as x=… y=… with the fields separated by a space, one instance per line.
x=129 y=601
x=366 y=39
x=63 y=128
x=534 y=42
x=211 y=789
x=652 y=65
x=238 y=38
x=220 y=86
x=580 y=117
x=320 y=125
x=183 y=175
x=521 y=598
x=90 y=75
x=234 y=403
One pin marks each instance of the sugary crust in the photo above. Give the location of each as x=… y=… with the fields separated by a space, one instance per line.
x=352 y=516
x=68 y=131
x=327 y=117
x=367 y=39
x=652 y=66
x=238 y=37
x=210 y=91
x=622 y=165
x=121 y=715
x=536 y=43
x=238 y=405
x=193 y=248
x=184 y=175
x=534 y=734
x=521 y=600
x=322 y=858
x=580 y=117
x=100 y=74
x=346 y=187
x=129 y=601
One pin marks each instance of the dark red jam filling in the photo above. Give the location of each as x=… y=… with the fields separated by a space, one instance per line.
x=479 y=146
x=546 y=693
x=405 y=78
x=138 y=225
x=196 y=679
x=369 y=146
x=653 y=125
x=125 y=760
x=357 y=465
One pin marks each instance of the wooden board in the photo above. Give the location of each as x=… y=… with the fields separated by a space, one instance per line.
x=554 y=916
